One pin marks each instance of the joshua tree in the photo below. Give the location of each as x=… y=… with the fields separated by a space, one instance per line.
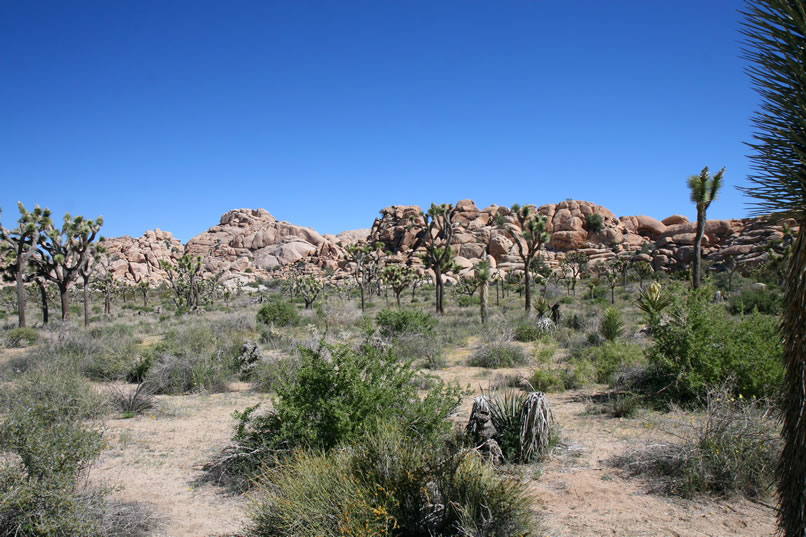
x=529 y=239
x=704 y=190
x=64 y=252
x=622 y=266
x=105 y=281
x=184 y=279
x=366 y=261
x=610 y=276
x=575 y=264
x=308 y=287
x=776 y=32
x=436 y=238
x=144 y=288
x=643 y=270
x=398 y=277
x=16 y=248
x=483 y=276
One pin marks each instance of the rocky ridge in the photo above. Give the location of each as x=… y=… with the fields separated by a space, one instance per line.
x=251 y=243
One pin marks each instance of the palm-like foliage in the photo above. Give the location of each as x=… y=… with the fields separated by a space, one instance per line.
x=704 y=190
x=776 y=33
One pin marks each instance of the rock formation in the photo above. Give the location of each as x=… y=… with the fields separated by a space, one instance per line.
x=251 y=243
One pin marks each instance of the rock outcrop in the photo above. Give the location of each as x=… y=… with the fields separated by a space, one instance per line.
x=138 y=259
x=250 y=243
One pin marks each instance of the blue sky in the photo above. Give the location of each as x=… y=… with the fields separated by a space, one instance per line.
x=169 y=113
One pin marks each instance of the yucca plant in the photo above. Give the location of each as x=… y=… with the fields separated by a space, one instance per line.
x=775 y=32
x=652 y=301
x=522 y=423
x=612 y=325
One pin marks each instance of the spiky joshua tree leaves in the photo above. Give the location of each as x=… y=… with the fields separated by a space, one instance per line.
x=529 y=238
x=398 y=277
x=776 y=32
x=63 y=252
x=184 y=278
x=704 y=189
x=366 y=265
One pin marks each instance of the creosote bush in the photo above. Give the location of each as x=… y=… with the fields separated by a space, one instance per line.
x=338 y=394
x=396 y=322
x=278 y=313
x=21 y=337
x=499 y=354
x=701 y=347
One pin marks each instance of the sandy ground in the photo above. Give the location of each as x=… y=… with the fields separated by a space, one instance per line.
x=154 y=459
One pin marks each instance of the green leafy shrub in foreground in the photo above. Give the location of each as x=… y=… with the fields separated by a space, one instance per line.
x=701 y=347
x=337 y=395
x=48 y=444
x=391 y=483
x=278 y=313
x=762 y=300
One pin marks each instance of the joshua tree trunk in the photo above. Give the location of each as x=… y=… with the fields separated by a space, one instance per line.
x=43 y=293
x=86 y=300
x=438 y=294
x=792 y=468
x=527 y=280
x=363 y=303
x=64 y=296
x=20 y=298
x=695 y=277
x=485 y=292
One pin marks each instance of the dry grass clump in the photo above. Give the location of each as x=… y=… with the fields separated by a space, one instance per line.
x=731 y=449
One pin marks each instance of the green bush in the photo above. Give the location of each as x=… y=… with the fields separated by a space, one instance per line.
x=175 y=375
x=44 y=429
x=337 y=395
x=577 y=373
x=611 y=357
x=701 y=347
x=278 y=313
x=764 y=300
x=612 y=325
x=499 y=354
x=545 y=380
x=395 y=322
x=21 y=337
x=595 y=222
x=466 y=301
x=391 y=484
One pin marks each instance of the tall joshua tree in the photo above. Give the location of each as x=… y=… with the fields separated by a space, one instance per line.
x=16 y=248
x=529 y=238
x=87 y=271
x=436 y=240
x=64 y=252
x=776 y=33
x=704 y=190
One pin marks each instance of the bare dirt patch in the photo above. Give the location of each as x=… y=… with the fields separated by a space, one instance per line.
x=154 y=459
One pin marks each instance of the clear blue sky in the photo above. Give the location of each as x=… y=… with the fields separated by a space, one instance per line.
x=169 y=113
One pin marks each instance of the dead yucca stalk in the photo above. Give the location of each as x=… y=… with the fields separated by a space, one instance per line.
x=535 y=426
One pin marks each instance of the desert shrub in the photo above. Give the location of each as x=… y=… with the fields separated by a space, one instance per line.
x=575 y=321
x=278 y=313
x=577 y=373
x=509 y=414
x=546 y=380
x=465 y=301
x=174 y=375
x=270 y=373
x=611 y=357
x=390 y=484
x=594 y=222
x=21 y=337
x=612 y=325
x=533 y=331
x=701 y=348
x=47 y=445
x=338 y=394
x=732 y=449
x=502 y=354
x=140 y=369
x=395 y=322
x=763 y=300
